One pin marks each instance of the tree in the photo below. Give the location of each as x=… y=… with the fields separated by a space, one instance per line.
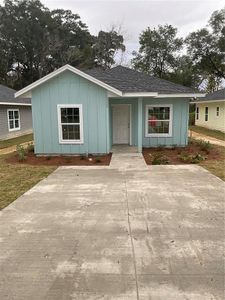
x=158 y=50
x=206 y=48
x=36 y=40
x=185 y=73
x=106 y=46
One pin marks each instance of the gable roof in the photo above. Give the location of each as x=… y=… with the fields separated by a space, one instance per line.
x=213 y=97
x=7 y=97
x=122 y=82
x=26 y=91
x=129 y=81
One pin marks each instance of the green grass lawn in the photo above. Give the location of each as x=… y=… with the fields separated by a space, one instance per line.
x=16 y=141
x=213 y=133
x=216 y=167
x=16 y=179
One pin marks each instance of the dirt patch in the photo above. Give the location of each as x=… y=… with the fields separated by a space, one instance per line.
x=90 y=160
x=173 y=156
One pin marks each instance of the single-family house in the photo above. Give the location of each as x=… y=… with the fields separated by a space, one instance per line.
x=210 y=111
x=15 y=114
x=76 y=112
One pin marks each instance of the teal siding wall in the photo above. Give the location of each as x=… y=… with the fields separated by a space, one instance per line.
x=180 y=121
x=68 y=88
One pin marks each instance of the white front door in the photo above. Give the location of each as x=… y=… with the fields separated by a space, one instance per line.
x=121 y=124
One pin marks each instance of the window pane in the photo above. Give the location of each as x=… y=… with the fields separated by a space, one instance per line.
x=70 y=115
x=217 y=111
x=159 y=113
x=158 y=126
x=11 y=125
x=10 y=114
x=71 y=132
x=16 y=123
x=16 y=114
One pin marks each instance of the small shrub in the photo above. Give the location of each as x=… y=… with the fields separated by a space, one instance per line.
x=98 y=160
x=48 y=157
x=191 y=159
x=161 y=147
x=21 y=152
x=192 y=141
x=30 y=148
x=174 y=146
x=195 y=159
x=205 y=146
x=82 y=157
x=185 y=157
x=160 y=159
x=67 y=159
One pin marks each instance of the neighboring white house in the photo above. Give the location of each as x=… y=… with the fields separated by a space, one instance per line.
x=210 y=111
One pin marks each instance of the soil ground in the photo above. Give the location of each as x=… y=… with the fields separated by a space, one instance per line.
x=32 y=159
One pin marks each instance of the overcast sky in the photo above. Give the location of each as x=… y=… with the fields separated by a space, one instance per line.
x=135 y=16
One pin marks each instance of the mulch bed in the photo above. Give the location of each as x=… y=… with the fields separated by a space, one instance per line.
x=173 y=154
x=91 y=160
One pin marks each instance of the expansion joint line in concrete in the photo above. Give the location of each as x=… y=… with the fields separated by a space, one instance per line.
x=131 y=239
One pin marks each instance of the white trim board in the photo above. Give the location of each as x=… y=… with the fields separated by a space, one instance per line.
x=12 y=103
x=184 y=95
x=207 y=101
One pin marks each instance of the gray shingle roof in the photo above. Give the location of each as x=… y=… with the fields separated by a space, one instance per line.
x=7 y=95
x=128 y=80
x=218 y=95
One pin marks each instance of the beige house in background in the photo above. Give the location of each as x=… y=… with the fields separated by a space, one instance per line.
x=210 y=111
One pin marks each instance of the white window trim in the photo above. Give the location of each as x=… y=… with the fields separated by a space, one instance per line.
x=170 y=121
x=61 y=140
x=13 y=129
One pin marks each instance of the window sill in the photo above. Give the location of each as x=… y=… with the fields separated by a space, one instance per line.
x=71 y=142
x=158 y=135
x=15 y=129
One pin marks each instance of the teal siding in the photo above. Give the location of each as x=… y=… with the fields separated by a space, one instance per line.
x=180 y=121
x=68 y=88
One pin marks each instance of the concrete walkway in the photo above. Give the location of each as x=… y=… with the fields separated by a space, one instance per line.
x=120 y=232
x=128 y=161
x=207 y=138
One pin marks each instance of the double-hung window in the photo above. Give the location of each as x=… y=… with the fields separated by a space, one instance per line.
x=70 y=123
x=197 y=113
x=206 y=113
x=158 y=121
x=13 y=119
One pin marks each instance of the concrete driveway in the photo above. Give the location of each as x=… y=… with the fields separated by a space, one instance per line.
x=112 y=233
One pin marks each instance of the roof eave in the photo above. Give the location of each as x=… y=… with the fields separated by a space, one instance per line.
x=208 y=101
x=14 y=103
x=181 y=95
